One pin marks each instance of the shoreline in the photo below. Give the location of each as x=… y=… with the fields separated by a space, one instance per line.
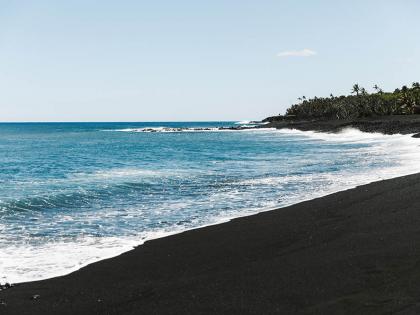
x=182 y=261
x=223 y=219
x=388 y=125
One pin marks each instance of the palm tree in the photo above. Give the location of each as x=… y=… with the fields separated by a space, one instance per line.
x=356 y=89
x=406 y=103
x=401 y=101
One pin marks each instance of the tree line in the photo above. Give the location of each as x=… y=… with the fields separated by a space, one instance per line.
x=360 y=103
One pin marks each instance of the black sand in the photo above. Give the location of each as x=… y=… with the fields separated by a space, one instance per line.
x=353 y=252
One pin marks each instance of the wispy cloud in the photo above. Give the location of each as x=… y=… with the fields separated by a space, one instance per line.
x=297 y=53
x=407 y=60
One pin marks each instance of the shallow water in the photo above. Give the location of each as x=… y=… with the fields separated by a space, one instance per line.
x=71 y=194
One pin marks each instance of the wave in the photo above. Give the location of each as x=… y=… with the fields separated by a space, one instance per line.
x=42 y=203
x=348 y=135
x=242 y=127
x=403 y=150
x=168 y=129
x=79 y=194
x=120 y=173
x=59 y=256
x=251 y=123
x=244 y=122
x=73 y=253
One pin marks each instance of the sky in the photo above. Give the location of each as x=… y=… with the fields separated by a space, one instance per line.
x=186 y=60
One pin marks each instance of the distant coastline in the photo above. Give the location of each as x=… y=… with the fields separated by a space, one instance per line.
x=395 y=124
x=385 y=112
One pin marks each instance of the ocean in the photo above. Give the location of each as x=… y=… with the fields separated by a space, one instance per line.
x=75 y=193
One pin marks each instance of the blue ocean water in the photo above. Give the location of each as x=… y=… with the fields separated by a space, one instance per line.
x=74 y=193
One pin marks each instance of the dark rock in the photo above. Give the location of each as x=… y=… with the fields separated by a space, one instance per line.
x=401 y=124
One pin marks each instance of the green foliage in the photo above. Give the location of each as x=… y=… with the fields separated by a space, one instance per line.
x=404 y=101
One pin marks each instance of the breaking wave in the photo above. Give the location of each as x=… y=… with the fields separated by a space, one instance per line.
x=124 y=192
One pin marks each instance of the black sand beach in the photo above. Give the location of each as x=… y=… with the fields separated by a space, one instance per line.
x=353 y=252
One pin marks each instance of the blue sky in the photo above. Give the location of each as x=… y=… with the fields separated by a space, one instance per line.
x=196 y=60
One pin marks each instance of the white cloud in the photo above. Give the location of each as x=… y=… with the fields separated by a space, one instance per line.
x=407 y=60
x=297 y=53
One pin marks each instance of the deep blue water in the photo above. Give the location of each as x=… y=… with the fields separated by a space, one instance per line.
x=73 y=193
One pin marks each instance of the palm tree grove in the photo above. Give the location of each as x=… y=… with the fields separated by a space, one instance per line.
x=358 y=104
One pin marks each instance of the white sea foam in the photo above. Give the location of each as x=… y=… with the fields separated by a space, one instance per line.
x=26 y=262
x=250 y=123
x=403 y=150
x=198 y=129
x=166 y=129
x=118 y=173
x=244 y=122
x=347 y=135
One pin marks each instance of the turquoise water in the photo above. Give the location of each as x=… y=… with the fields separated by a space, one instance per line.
x=74 y=193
